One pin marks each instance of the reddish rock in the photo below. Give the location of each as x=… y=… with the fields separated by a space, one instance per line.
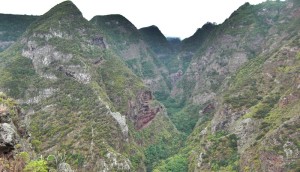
x=146 y=113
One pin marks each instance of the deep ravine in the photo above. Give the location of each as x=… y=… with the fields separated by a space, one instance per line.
x=102 y=95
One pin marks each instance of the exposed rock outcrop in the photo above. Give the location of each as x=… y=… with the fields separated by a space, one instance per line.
x=146 y=112
x=13 y=132
x=8 y=138
x=246 y=130
x=64 y=167
x=143 y=112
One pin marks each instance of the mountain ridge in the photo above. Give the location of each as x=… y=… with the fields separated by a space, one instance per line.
x=240 y=106
x=79 y=93
x=111 y=97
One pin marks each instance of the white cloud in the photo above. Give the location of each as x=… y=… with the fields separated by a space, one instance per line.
x=174 y=17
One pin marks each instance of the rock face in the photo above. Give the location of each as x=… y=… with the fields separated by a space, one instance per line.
x=8 y=134
x=14 y=135
x=90 y=90
x=64 y=167
x=8 y=138
x=146 y=113
x=246 y=130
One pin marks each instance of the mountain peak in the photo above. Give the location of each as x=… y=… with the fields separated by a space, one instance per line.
x=113 y=20
x=116 y=26
x=65 y=8
x=152 y=26
x=156 y=39
x=64 y=15
x=152 y=30
x=112 y=17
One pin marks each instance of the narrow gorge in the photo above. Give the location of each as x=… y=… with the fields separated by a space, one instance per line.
x=103 y=95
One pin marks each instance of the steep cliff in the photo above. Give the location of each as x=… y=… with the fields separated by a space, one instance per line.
x=160 y=139
x=244 y=79
x=81 y=99
x=102 y=95
x=127 y=42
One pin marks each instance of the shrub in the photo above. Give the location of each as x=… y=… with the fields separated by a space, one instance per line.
x=177 y=163
x=24 y=156
x=36 y=144
x=36 y=166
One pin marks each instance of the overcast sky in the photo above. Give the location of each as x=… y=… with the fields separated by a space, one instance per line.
x=177 y=18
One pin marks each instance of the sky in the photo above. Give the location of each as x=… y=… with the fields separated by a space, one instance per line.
x=175 y=18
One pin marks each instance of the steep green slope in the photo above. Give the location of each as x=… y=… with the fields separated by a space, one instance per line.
x=235 y=92
x=81 y=100
x=156 y=40
x=193 y=43
x=127 y=42
x=244 y=79
x=161 y=47
x=125 y=39
x=12 y=27
x=190 y=46
x=222 y=50
x=174 y=62
x=52 y=72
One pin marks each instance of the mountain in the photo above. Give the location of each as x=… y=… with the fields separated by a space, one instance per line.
x=127 y=42
x=161 y=47
x=175 y=64
x=85 y=106
x=193 y=43
x=157 y=41
x=12 y=27
x=244 y=79
x=102 y=95
x=174 y=42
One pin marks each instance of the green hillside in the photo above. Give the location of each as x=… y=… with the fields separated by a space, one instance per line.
x=12 y=27
x=244 y=79
x=102 y=95
x=125 y=39
x=82 y=100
